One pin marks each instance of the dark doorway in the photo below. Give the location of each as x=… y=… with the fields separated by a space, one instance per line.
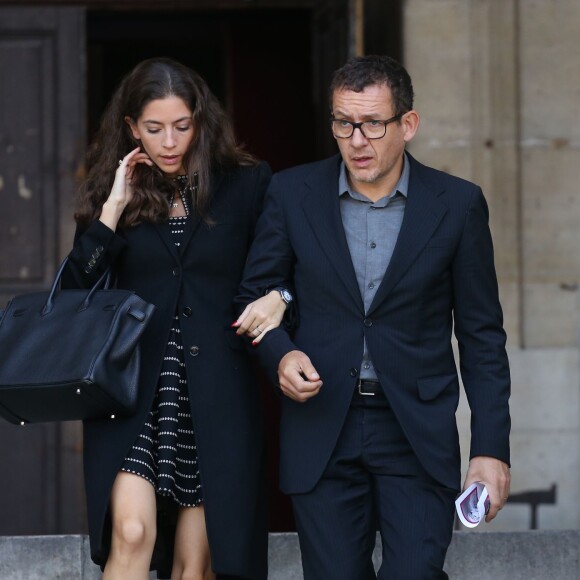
x=257 y=63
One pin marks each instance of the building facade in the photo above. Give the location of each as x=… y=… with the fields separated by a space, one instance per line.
x=498 y=92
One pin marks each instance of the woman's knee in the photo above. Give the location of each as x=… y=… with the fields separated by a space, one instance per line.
x=133 y=533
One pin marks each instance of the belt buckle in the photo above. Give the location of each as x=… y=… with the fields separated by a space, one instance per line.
x=360 y=392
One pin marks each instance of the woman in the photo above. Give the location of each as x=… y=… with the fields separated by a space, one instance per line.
x=170 y=203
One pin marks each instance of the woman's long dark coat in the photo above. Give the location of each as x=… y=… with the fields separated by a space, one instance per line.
x=199 y=282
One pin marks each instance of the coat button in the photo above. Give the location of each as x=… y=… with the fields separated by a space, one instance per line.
x=187 y=311
x=353 y=372
x=194 y=350
x=175 y=271
x=368 y=322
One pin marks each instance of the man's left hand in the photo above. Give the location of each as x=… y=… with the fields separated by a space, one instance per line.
x=495 y=475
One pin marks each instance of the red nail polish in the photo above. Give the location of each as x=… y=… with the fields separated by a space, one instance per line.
x=254 y=343
x=234 y=325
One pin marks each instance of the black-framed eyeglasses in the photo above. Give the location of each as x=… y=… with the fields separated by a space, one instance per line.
x=375 y=129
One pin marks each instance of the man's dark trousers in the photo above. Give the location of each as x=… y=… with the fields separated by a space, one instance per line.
x=374 y=479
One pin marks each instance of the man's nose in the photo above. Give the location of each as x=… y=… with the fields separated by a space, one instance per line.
x=358 y=139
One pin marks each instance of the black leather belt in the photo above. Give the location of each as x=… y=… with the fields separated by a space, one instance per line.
x=368 y=388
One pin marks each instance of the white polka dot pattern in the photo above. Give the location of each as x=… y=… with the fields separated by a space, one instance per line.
x=167 y=438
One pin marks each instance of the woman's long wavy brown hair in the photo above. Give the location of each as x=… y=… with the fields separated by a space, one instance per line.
x=213 y=147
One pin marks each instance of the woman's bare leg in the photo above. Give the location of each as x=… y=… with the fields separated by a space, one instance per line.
x=133 y=511
x=191 y=560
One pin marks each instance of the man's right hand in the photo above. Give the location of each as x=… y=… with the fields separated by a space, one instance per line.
x=298 y=378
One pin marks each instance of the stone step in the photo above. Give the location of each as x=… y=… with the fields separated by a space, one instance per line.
x=527 y=555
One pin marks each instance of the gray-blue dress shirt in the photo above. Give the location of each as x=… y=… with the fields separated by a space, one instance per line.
x=371 y=229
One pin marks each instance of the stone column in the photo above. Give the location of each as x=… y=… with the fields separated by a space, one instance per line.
x=463 y=58
x=498 y=89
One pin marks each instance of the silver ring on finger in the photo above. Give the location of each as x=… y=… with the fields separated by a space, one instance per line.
x=120 y=162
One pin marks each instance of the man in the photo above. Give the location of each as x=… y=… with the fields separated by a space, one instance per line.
x=387 y=257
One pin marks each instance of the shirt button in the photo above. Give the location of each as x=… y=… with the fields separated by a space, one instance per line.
x=367 y=366
x=187 y=312
x=371 y=285
x=373 y=245
x=368 y=322
x=175 y=271
x=194 y=350
x=353 y=372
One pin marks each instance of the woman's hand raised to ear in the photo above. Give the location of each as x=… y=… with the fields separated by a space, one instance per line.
x=122 y=192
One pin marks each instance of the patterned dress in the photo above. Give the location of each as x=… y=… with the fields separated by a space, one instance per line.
x=165 y=452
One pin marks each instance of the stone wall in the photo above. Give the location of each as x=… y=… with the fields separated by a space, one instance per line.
x=498 y=91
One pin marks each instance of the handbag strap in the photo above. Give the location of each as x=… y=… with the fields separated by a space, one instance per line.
x=104 y=282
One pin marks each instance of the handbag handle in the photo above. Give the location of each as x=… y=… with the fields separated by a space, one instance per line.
x=103 y=281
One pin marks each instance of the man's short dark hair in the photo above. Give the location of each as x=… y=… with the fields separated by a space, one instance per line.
x=365 y=71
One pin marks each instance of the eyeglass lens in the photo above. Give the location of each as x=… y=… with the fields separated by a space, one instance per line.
x=370 y=129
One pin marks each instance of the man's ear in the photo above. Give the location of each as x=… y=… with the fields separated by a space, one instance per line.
x=133 y=126
x=410 y=123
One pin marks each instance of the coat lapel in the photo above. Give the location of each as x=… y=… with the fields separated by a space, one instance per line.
x=191 y=227
x=423 y=213
x=193 y=224
x=322 y=210
x=165 y=234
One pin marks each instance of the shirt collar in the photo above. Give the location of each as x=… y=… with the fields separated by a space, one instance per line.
x=402 y=185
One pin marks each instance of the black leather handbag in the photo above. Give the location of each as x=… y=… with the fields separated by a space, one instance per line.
x=71 y=354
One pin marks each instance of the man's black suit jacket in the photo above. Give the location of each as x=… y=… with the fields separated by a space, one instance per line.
x=441 y=279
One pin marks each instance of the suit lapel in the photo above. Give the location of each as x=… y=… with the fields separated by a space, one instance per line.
x=423 y=212
x=322 y=210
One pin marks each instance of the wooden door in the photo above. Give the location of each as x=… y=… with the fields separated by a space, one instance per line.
x=41 y=143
